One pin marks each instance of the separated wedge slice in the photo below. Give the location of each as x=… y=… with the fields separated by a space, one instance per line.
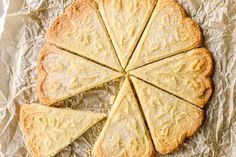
x=124 y=133
x=62 y=75
x=168 y=32
x=170 y=119
x=185 y=75
x=125 y=21
x=48 y=130
x=81 y=30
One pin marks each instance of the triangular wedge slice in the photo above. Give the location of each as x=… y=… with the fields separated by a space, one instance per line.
x=125 y=21
x=48 y=130
x=81 y=30
x=168 y=32
x=185 y=75
x=62 y=74
x=124 y=133
x=170 y=119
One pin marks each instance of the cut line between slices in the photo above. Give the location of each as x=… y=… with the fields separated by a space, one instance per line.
x=165 y=91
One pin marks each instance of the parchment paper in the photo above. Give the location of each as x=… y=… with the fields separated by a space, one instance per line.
x=23 y=24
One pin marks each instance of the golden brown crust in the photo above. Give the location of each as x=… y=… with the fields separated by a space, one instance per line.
x=76 y=5
x=148 y=51
x=51 y=90
x=182 y=139
x=59 y=25
x=198 y=33
x=42 y=76
x=195 y=27
x=81 y=30
x=207 y=73
x=210 y=65
x=166 y=116
x=39 y=123
x=72 y=8
x=191 y=73
x=25 y=111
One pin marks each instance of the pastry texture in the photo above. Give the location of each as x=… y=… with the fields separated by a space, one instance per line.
x=96 y=41
x=48 y=130
x=125 y=21
x=168 y=32
x=170 y=119
x=124 y=133
x=81 y=30
x=62 y=75
x=185 y=75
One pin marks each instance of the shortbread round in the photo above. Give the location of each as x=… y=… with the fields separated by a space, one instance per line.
x=156 y=46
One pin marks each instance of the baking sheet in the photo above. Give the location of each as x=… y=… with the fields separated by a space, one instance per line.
x=23 y=24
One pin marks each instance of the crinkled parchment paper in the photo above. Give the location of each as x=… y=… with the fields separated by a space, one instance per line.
x=23 y=24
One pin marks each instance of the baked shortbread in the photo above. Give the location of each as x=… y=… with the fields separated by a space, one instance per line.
x=62 y=75
x=48 y=130
x=185 y=75
x=170 y=119
x=124 y=133
x=168 y=32
x=81 y=30
x=125 y=21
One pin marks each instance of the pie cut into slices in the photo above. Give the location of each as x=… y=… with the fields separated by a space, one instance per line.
x=125 y=21
x=185 y=75
x=48 y=130
x=168 y=32
x=81 y=30
x=62 y=75
x=124 y=133
x=170 y=119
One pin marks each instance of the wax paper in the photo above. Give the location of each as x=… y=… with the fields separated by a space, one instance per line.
x=23 y=24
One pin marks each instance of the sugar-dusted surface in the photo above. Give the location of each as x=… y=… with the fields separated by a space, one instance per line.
x=22 y=38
